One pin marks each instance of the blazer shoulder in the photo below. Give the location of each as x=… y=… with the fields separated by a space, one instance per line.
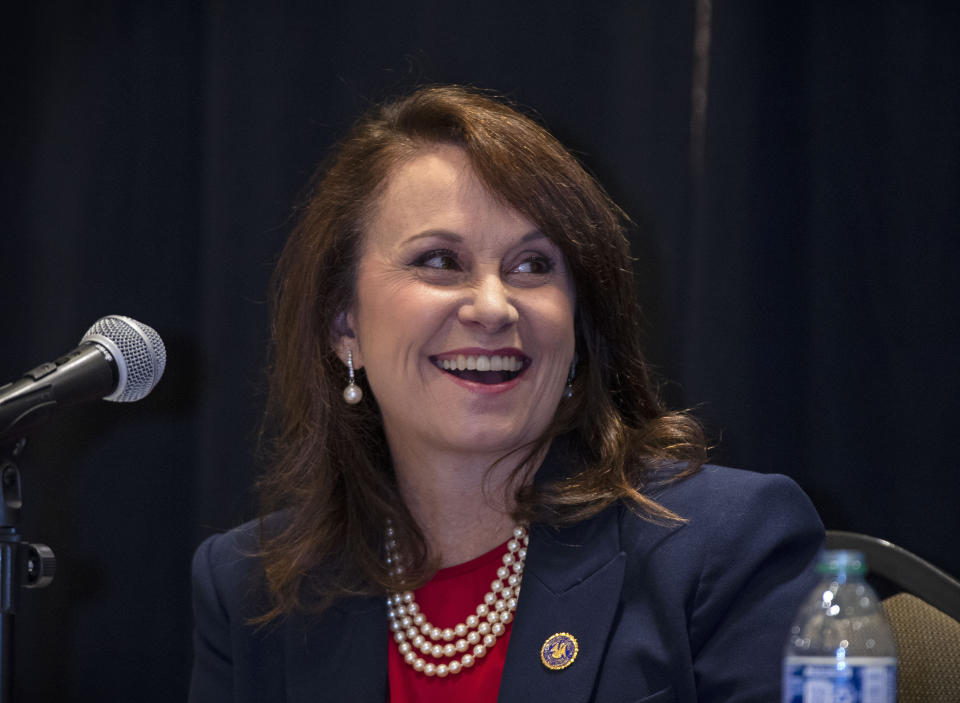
x=227 y=550
x=228 y=565
x=720 y=492
x=729 y=509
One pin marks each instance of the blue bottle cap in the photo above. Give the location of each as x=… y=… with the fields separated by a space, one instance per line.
x=842 y=561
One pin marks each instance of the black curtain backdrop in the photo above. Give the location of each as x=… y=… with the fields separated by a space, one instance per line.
x=796 y=256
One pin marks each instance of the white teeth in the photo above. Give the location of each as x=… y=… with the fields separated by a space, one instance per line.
x=481 y=362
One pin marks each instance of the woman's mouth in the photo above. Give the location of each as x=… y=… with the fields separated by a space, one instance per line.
x=483 y=368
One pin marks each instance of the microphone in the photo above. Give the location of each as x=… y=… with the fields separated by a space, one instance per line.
x=118 y=359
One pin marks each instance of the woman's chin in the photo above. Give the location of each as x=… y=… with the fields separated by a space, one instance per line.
x=486 y=441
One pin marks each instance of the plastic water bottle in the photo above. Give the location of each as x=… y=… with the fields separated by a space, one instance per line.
x=840 y=648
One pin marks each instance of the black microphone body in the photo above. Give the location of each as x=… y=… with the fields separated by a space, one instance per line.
x=118 y=359
x=85 y=373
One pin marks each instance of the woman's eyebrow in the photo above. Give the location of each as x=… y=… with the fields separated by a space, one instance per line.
x=456 y=238
x=440 y=233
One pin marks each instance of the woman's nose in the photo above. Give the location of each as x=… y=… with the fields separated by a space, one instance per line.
x=490 y=305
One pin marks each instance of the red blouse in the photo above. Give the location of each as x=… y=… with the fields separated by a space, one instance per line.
x=447 y=599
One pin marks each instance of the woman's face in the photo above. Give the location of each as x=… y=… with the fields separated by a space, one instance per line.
x=463 y=315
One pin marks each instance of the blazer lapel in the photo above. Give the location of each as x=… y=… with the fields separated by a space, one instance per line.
x=571 y=583
x=340 y=655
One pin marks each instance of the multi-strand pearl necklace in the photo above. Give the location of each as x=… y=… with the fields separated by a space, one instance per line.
x=473 y=637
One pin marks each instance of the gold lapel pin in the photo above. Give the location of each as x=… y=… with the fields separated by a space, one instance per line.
x=559 y=651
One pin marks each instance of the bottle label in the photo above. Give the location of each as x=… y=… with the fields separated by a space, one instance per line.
x=832 y=680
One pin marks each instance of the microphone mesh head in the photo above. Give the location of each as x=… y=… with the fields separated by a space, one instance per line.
x=138 y=351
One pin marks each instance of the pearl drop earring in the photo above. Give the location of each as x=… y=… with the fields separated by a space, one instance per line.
x=352 y=393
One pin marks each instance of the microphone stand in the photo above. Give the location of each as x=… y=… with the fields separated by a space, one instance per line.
x=21 y=563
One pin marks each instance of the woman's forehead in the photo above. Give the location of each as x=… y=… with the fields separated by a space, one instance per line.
x=438 y=189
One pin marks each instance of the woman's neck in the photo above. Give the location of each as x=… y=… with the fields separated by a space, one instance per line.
x=463 y=505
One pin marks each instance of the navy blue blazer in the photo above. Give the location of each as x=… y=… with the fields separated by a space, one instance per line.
x=691 y=612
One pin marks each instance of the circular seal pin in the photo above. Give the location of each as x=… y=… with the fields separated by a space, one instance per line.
x=559 y=651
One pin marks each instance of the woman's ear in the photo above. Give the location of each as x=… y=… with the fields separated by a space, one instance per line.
x=344 y=339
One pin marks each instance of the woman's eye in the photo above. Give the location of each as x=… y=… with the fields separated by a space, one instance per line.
x=441 y=259
x=535 y=265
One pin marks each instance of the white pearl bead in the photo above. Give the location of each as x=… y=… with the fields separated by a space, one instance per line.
x=405 y=648
x=489 y=599
x=429 y=669
x=492 y=616
x=418 y=664
x=449 y=650
x=472 y=621
x=462 y=645
x=467 y=660
x=479 y=651
x=497 y=629
x=473 y=637
x=442 y=670
x=489 y=641
x=511 y=603
x=483 y=628
x=513 y=580
x=503 y=572
x=425 y=628
x=410 y=657
x=412 y=632
x=508 y=559
x=406 y=621
x=518 y=532
x=506 y=616
x=435 y=633
x=413 y=608
x=408 y=598
x=418 y=641
x=460 y=630
x=454 y=667
x=419 y=619
x=447 y=634
x=352 y=393
x=513 y=545
x=437 y=651
x=482 y=610
x=496 y=585
x=399 y=637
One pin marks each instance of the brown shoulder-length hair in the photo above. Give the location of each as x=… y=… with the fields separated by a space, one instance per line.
x=330 y=486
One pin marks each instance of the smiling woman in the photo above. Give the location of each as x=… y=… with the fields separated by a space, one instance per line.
x=502 y=508
x=448 y=272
